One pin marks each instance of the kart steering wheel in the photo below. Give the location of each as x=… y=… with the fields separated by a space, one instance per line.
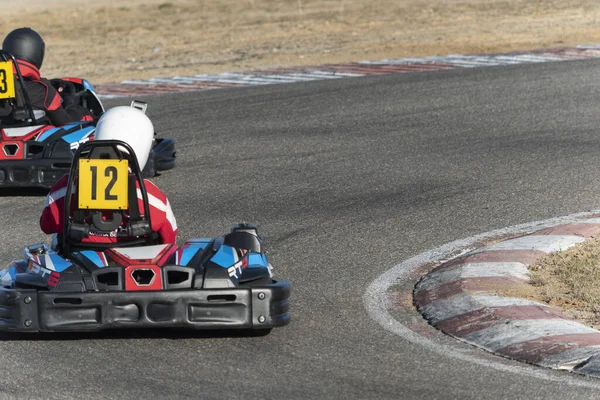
x=85 y=99
x=66 y=88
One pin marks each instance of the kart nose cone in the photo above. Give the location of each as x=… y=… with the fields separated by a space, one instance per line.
x=143 y=277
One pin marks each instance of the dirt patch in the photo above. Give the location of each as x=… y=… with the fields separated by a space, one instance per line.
x=108 y=40
x=569 y=280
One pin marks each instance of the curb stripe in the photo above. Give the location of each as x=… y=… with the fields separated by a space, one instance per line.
x=468 y=323
x=510 y=333
x=569 y=359
x=472 y=270
x=547 y=244
x=534 y=351
x=500 y=269
x=463 y=303
x=523 y=256
x=587 y=230
x=447 y=290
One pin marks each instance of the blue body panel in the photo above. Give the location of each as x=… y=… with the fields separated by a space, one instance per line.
x=224 y=256
x=79 y=135
x=93 y=257
x=191 y=248
x=50 y=132
x=257 y=260
x=59 y=264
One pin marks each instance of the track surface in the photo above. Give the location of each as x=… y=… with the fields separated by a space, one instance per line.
x=345 y=179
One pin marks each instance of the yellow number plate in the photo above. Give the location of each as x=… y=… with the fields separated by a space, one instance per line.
x=7 y=80
x=102 y=184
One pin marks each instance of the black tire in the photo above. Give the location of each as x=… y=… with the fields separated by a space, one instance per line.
x=149 y=171
x=164 y=154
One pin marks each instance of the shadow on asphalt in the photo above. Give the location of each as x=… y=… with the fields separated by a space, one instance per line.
x=173 y=334
x=23 y=192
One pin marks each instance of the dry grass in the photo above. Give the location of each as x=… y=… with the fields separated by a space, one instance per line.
x=109 y=40
x=570 y=280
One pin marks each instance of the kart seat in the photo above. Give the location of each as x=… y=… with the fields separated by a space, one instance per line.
x=127 y=222
x=17 y=111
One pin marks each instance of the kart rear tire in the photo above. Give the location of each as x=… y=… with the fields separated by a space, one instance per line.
x=164 y=154
x=149 y=171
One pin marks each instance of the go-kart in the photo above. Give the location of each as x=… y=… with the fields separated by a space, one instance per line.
x=220 y=283
x=34 y=153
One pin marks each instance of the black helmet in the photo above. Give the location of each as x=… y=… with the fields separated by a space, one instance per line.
x=25 y=44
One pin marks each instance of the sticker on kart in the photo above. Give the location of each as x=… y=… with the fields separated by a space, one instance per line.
x=102 y=184
x=7 y=80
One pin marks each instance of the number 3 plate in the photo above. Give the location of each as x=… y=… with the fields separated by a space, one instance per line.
x=7 y=80
x=102 y=184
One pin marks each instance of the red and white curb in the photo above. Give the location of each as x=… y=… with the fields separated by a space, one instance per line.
x=460 y=298
x=337 y=71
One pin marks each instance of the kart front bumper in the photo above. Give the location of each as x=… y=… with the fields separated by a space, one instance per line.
x=29 y=310
x=44 y=171
x=33 y=173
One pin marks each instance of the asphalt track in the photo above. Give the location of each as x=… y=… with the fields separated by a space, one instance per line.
x=345 y=180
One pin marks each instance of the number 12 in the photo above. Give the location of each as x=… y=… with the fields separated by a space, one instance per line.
x=108 y=171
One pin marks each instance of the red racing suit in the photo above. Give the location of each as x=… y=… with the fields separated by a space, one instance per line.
x=161 y=215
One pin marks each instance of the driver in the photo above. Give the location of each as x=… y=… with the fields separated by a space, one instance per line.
x=133 y=127
x=27 y=46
